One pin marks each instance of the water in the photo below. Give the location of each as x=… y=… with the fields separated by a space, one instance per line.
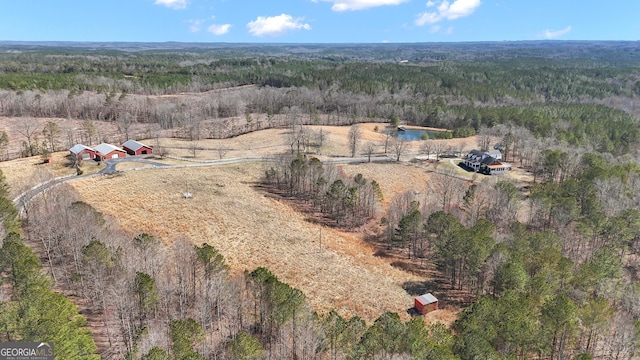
x=414 y=135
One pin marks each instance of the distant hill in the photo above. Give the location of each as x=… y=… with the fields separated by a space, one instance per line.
x=552 y=49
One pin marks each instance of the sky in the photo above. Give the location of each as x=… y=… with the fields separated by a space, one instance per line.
x=318 y=21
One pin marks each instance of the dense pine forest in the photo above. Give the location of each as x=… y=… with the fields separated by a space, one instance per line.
x=560 y=282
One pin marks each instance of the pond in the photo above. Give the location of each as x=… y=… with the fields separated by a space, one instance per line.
x=414 y=134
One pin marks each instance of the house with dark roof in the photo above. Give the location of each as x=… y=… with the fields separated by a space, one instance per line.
x=133 y=147
x=82 y=152
x=486 y=162
x=107 y=151
x=473 y=159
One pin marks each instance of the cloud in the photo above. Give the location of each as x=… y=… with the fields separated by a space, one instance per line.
x=276 y=25
x=435 y=29
x=172 y=4
x=447 y=11
x=552 y=34
x=346 y=5
x=195 y=25
x=219 y=29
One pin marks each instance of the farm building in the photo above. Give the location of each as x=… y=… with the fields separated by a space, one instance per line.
x=82 y=152
x=133 y=147
x=426 y=303
x=108 y=151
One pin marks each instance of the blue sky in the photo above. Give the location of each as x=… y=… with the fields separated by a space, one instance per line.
x=318 y=21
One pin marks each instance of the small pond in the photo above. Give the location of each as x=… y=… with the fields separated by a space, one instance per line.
x=414 y=134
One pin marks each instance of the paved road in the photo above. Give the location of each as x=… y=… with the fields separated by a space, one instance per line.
x=110 y=167
x=24 y=198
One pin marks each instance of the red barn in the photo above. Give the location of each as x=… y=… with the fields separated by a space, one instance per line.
x=82 y=152
x=108 y=151
x=133 y=147
x=426 y=303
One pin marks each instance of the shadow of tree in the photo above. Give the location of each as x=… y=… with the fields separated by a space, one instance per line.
x=441 y=290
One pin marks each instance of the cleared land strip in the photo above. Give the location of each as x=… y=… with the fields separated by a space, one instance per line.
x=25 y=197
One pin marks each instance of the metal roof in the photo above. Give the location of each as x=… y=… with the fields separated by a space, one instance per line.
x=105 y=148
x=78 y=148
x=427 y=298
x=488 y=160
x=134 y=145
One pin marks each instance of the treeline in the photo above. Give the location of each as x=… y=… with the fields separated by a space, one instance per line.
x=561 y=284
x=228 y=113
x=348 y=202
x=30 y=309
x=550 y=97
x=527 y=77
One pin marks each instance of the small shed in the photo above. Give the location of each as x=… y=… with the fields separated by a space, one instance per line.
x=107 y=151
x=133 y=147
x=426 y=303
x=82 y=152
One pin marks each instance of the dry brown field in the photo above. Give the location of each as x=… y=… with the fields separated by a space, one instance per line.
x=335 y=269
x=22 y=174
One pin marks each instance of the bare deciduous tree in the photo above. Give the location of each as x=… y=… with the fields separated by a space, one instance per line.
x=51 y=132
x=354 y=137
x=4 y=142
x=388 y=136
x=399 y=146
x=124 y=125
x=88 y=132
x=484 y=138
x=369 y=149
x=439 y=147
x=319 y=139
x=427 y=147
x=447 y=187
x=222 y=152
x=29 y=129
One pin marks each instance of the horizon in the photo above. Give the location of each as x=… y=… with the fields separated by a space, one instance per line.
x=316 y=21
x=548 y=41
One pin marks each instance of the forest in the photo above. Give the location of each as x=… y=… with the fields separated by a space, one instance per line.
x=552 y=267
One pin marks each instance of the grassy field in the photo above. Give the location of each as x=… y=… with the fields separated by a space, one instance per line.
x=250 y=228
x=22 y=174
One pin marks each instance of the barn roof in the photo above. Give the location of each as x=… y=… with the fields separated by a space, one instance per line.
x=78 y=148
x=427 y=299
x=134 y=145
x=105 y=148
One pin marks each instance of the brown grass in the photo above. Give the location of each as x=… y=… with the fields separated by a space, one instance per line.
x=132 y=165
x=251 y=230
x=394 y=178
x=274 y=142
x=22 y=174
